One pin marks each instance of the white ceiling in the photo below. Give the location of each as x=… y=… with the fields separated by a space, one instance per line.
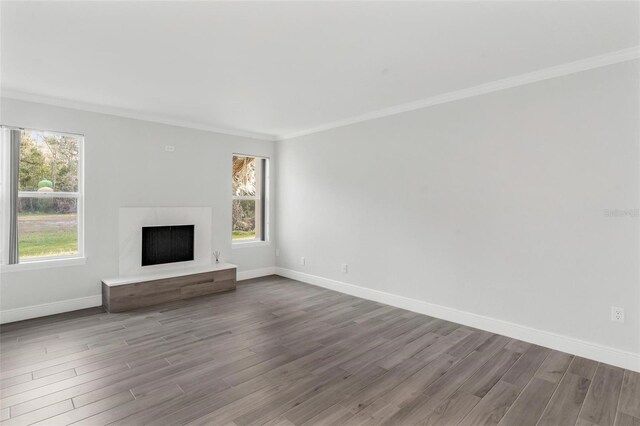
x=281 y=68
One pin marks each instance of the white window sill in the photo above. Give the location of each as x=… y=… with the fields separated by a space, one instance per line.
x=44 y=264
x=248 y=244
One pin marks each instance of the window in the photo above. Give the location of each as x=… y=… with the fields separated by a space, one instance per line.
x=43 y=181
x=249 y=204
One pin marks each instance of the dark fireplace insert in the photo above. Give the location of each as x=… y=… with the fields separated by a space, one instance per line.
x=167 y=244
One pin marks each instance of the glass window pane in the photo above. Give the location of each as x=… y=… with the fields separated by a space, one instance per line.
x=244 y=176
x=244 y=220
x=47 y=227
x=48 y=162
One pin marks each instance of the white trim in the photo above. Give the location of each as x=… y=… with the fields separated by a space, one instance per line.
x=624 y=359
x=623 y=55
x=19 y=314
x=246 y=197
x=240 y=244
x=266 y=232
x=80 y=199
x=126 y=113
x=255 y=273
x=44 y=263
x=36 y=194
x=4 y=199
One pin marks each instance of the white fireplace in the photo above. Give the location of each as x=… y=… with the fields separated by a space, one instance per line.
x=133 y=219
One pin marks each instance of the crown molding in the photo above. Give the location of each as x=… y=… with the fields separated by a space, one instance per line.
x=611 y=58
x=126 y=113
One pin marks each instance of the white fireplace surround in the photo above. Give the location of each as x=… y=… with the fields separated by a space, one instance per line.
x=133 y=219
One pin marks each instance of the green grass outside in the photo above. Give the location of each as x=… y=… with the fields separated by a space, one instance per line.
x=243 y=235
x=47 y=235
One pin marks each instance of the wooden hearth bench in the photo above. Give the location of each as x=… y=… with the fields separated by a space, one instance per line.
x=126 y=293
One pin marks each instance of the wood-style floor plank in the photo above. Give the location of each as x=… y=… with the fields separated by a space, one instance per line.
x=279 y=352
x=491 y=409
x=630 y=396
x=566 y=402
x=530 y=404
x=554 y=367
x=601 y=403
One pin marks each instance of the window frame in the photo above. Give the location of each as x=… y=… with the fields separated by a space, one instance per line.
x=263 y=198
x=41 y=262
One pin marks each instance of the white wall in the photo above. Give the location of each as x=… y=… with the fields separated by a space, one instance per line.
x=492 y=205
x=126 y=166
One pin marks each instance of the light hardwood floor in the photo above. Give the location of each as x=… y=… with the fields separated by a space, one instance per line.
x=280 y=352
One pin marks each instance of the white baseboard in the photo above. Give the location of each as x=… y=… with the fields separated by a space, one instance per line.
x=624 y=359
x=255 y=273
x=35 y=311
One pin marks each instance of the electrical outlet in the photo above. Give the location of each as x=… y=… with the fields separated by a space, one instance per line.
x=617 y=314
x=302 y=261
x=277 y=252
x=344 y=268
x=169 y=148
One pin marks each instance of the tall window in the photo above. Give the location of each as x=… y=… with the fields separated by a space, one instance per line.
x=44 y=205
x=249 y=205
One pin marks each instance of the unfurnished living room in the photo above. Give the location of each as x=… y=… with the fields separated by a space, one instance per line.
x=320 y=213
